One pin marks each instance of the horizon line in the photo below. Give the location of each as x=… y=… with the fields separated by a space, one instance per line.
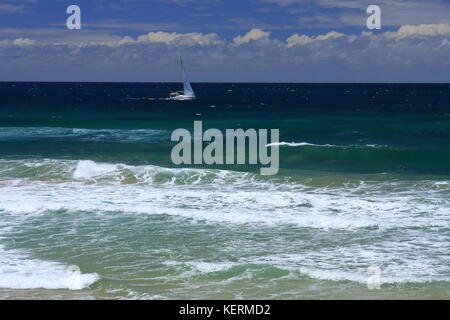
x=214 y=82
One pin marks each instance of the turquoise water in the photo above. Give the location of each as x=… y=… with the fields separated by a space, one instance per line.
x=86 y=180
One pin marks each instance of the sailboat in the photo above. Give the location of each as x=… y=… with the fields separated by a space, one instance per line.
x=187 y=93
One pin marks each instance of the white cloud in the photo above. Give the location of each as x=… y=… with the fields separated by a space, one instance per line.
x=212 y=39
x=168 y=38
x=252 y=35
x=420 y=30
x=193 y=38
x=331 y=57
x=113 y=43
x=298 y=39
x=23 y=42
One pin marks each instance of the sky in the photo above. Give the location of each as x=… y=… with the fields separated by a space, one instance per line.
x=225 y=41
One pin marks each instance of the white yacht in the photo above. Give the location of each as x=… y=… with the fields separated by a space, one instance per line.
x=187 y=93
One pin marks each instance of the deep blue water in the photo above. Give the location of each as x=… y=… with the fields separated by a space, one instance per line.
x=396 y=128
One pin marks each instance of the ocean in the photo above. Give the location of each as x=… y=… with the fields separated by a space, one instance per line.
x=87 y=184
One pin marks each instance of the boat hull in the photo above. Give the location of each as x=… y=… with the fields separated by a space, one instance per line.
x=183 y=98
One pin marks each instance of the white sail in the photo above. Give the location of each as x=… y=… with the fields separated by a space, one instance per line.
x=187 y=89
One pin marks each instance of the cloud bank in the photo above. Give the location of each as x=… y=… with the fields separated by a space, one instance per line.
x=413 y=53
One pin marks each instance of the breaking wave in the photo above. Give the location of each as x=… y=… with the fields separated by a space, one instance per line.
x=18 y=271
x=395 y=212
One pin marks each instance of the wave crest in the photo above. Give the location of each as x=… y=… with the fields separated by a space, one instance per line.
x=17 y=271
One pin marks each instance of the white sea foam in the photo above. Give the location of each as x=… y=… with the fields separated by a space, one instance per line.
x=345 y=264
x=17 y=271
x=89 y=169
x=200 y=267
x=208 y=267
x=225 y=197
x=299 y=144
x=410 y=218
x=304 y=144
x=351 y=264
